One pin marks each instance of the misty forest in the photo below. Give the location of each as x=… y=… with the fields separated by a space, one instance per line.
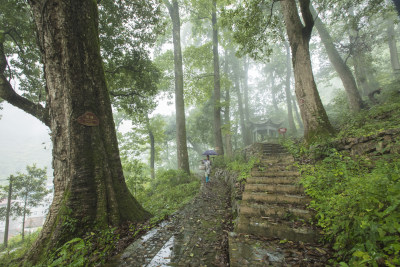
x=204 y=132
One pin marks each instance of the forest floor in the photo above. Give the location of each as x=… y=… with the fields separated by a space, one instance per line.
x=200 y=233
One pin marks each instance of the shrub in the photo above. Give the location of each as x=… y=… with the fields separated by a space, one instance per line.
x=358 y=205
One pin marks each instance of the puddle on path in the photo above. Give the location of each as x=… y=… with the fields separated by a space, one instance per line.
x=163 y=257
x=153 y=231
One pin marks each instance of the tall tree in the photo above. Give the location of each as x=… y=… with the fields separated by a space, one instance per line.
x=292 y=126
x=227 y=109
x=219 y=148
x=246 y=130
x=345 y=74
x=313 y=114
x=31 y=189
x=181 y=142
x=89 y=185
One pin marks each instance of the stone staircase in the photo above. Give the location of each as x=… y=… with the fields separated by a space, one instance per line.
x=273 y=203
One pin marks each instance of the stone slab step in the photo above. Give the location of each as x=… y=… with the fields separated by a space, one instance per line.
x=268 y=173
x=274 y=180
x=277 y=159
x=283 y=188
x=276 y=198
x=274 y=167
x=274 y=211
x=282 y=230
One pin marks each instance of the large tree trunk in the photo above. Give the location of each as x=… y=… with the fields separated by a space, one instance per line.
x=181 y=142
x=219 y=148
x=89 y=186
x=349 y=83
x=313 y=114
x=292 y=126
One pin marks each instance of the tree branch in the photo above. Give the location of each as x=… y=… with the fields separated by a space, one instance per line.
x=114 y=94
x=8 y=93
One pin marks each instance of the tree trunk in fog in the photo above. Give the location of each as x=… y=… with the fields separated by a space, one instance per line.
x=394 y=56
x=296 y=111
x=246 y=130
x=228 y=136
x=152 y=148
x=273 y=93
x=8 y=211
x=345 y=74
x=364 y=74
x=219 y=148
x=313 y=114
x=292 y=126
x=89 y=186
x=181 y=143
x=236 y=78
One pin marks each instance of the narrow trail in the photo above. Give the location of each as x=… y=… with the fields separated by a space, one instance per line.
x=197 y=235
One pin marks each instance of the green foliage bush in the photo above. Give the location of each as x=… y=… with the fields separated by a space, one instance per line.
x=358 y=206
x=17 y=249
x=242 y=167
x=170 y=191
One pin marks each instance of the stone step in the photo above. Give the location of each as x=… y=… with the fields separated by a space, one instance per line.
x=282 y=230
x=277 y=159
x=274 y=167
x=275 y=188
x=299 y=200
x=274 y=211
x=268 y=173
x=274 y=180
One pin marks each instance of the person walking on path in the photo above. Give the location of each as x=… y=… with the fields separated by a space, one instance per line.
x=207 y=170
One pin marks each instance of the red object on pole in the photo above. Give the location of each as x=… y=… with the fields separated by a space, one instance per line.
x=282 y=130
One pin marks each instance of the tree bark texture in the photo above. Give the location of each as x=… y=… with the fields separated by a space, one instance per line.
x=313 y=114
x=292 y=126
x=89 y=186
x=345 y=74
x=181 y=142
x=219 y=147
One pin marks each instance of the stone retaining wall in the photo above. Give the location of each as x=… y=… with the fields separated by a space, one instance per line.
x=382 y=143
x=230 y=178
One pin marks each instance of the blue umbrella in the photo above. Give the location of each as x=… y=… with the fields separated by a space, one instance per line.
x=210 y=152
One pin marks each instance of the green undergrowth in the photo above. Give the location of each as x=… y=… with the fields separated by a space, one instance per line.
x=92 y=249
x=358 y=206
x=16 y=249
x=170 y=191
x=238 y=164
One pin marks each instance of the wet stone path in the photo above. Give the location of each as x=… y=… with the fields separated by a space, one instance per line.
x=197 y=235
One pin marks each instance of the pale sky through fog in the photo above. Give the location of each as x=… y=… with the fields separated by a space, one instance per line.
x=24 y=140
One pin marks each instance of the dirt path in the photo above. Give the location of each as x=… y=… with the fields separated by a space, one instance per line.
x=195 y=236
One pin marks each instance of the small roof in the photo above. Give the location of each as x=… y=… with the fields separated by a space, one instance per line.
x=265 y=122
